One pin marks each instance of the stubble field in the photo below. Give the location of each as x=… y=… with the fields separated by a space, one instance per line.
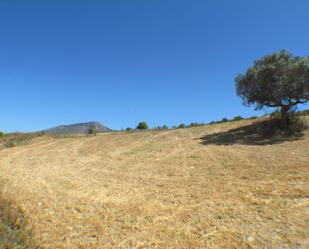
x=200 y=187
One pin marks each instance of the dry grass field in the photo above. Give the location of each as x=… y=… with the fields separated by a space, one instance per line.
x=203 y=187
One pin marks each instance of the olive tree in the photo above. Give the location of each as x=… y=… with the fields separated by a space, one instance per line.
x=142 y=126
x=278 y=80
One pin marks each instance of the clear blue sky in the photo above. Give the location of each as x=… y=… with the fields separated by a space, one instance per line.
x=120 y=61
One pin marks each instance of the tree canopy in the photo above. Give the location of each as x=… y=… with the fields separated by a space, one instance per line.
x=142 y=126
x=276 y=80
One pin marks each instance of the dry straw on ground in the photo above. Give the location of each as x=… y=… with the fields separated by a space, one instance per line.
x=163 y=189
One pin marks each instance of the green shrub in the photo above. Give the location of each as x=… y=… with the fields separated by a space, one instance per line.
x=1 y=134
x=253 y=117
x=92 y=131
x=237 y=118
x=224 y=120
x=181 y=126
x=165 y=127
x=142 y=126
x=129 y=129
x=195 y=124
x=10 y=144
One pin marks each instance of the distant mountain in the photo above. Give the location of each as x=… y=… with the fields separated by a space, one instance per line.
x=80 y=128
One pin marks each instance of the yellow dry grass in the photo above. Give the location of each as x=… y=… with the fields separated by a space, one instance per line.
x=162 y=189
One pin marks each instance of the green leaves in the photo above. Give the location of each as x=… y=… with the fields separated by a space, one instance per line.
x=276 y=80
x=142 y=126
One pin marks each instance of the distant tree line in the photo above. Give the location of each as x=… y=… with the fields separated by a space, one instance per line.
x=144 y=126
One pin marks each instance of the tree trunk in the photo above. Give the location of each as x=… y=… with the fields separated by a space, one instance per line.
x=284 y=112
x=284 y=115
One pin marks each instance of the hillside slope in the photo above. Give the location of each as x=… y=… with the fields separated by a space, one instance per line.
x=79 y=128
x=163 y=189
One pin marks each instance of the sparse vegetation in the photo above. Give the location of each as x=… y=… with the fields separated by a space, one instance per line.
x=304 y=113
x=195 y=124
x=1 y=134
x=163 y=127
x=253 y=117
x=181 y=126
x=13 y=232
x=275 y=126
x=92 y=131
x=11 y=140
x=237 y=118
x=10 y=144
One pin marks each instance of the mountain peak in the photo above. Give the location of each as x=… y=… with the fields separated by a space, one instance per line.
x=78 y=128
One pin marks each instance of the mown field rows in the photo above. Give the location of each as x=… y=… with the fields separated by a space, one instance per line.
x=161 y=189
